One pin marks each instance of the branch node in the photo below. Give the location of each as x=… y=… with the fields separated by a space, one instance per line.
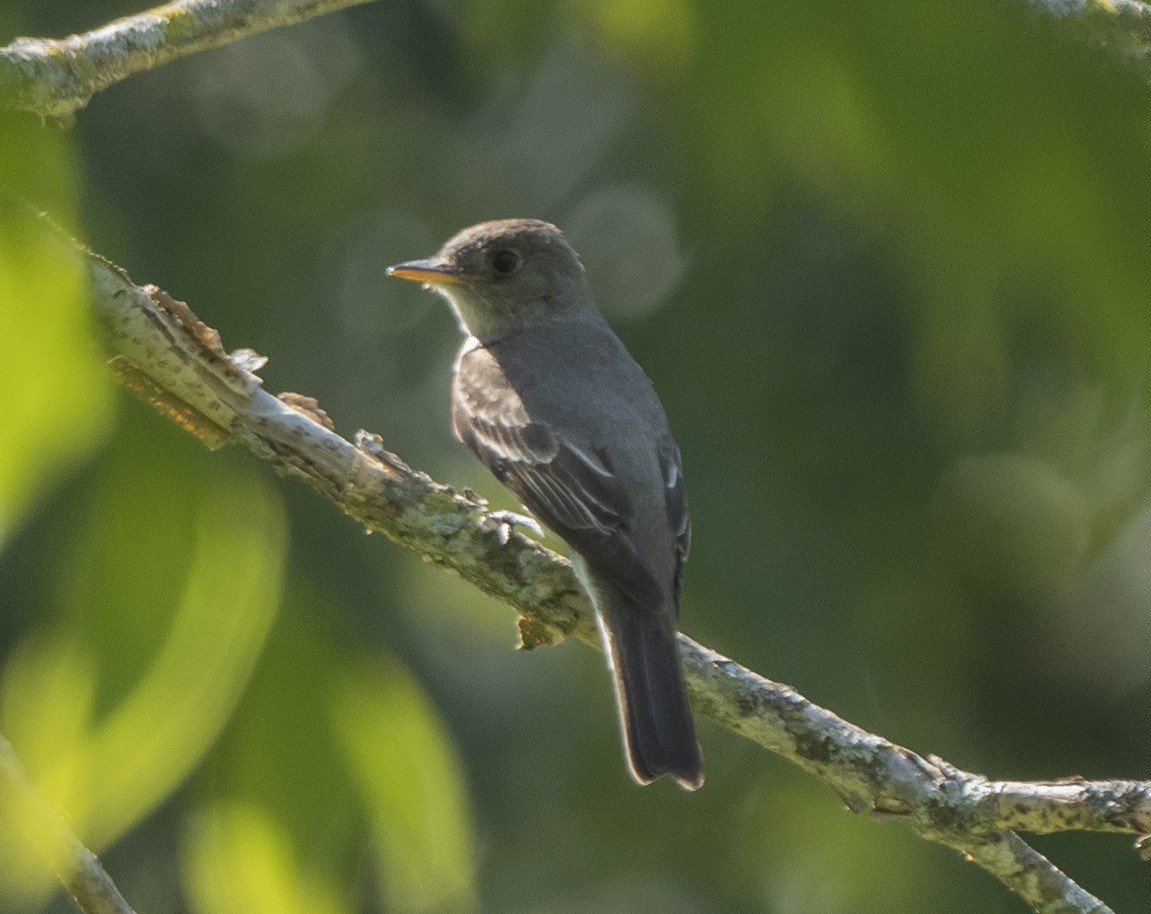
x=373 y=445
x=308 y=406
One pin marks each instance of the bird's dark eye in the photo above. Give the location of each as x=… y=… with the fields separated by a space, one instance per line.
x=506 y=262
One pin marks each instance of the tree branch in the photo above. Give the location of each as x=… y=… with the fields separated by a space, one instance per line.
x=58 y=77
x=162 y=351
x=77 y=867
x=1120 y=27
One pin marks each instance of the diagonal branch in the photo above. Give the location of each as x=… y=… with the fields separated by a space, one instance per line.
x=163 y=352
x=57 y=77
x=22 y=806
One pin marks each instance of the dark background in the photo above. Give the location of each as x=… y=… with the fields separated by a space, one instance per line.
x=887 y=265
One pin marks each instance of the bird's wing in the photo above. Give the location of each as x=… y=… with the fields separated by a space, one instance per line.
x=571 y=488
x=671 y=464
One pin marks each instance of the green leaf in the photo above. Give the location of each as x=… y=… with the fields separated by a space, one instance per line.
x=412 y=784
x=57 y=396
x=239 y=860
x=210 y=601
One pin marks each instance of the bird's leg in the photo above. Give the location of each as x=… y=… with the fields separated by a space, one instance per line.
x=505 y=523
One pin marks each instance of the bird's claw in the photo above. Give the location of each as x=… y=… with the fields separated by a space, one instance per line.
x=506 y=521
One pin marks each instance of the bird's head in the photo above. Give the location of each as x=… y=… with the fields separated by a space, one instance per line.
x=503 y=276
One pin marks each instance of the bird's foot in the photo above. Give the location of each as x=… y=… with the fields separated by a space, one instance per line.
x=505 y=523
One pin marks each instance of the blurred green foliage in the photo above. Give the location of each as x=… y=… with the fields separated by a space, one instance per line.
x=887 y=265
x=58 y=403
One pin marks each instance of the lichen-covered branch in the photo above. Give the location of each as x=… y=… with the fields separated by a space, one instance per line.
x=161 y=350
x=1026 y=871
x=965 y=811
x=166 y=355
x=23 y=808
x=58 y=77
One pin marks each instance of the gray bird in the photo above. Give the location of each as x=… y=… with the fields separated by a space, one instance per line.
x=552 y=403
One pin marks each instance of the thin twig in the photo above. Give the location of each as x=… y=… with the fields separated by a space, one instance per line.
x=57 y=77
x=77 y=867
x=1027 y=872
x=177 y=363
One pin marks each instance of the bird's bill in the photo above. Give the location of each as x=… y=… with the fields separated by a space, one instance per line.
x=430 y=271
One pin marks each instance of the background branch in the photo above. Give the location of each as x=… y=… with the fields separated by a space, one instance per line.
x=58 y=77
x=162 y=351
x=77 y=867
x=1120 y=27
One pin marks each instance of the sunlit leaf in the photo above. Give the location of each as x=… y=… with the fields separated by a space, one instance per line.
x=413 y=787
x=33 y=837
x=238 y=860
x=111 y=769
x=53 y=674
x=657 y=34
x=57 y=401
x=814 y=858
x=332 y=761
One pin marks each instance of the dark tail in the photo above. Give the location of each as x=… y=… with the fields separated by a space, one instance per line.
x=658 y=732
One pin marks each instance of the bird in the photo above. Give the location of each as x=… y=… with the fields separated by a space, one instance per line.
x=552 y=403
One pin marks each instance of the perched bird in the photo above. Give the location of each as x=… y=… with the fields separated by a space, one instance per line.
x=552 y=403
